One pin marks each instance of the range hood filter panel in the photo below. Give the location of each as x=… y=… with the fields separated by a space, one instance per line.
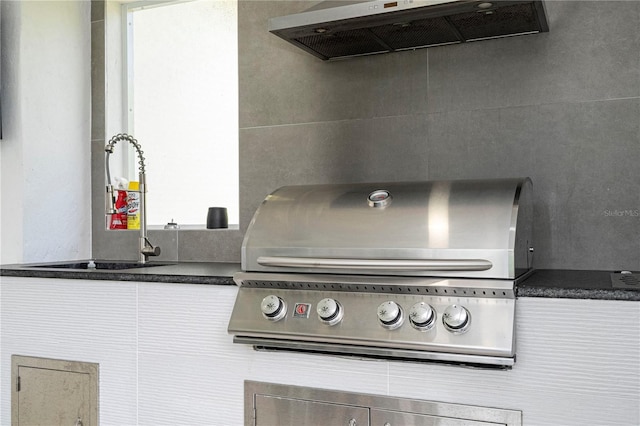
x=509 y=20
x=420 y=26
x=421 y=33
x=342 y=44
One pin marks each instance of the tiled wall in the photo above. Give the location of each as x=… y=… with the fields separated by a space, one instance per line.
x=561 y=107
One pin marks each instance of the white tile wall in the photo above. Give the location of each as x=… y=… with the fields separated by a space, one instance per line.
x=573 y=367
x=90 y=321
x=165 y=356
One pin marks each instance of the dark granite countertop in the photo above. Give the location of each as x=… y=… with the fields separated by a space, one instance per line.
x=211 y=273
x=571 y=284
x=563 y=284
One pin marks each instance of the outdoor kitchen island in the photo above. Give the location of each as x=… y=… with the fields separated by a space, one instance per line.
x=166 y=358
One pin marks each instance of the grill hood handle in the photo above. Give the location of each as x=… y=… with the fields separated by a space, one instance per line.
x=377 y=264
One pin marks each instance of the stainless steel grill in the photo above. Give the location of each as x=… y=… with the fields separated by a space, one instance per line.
x=417 y=271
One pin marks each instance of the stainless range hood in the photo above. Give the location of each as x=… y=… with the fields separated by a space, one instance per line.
x=342 y=29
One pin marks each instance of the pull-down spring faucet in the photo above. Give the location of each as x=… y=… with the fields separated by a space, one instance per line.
x=146 y=248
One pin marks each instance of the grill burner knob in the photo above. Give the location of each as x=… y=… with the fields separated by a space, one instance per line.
x=273 y=308
x=422 y=316
x=456 y=319
x=329 y=311
x=390 y=315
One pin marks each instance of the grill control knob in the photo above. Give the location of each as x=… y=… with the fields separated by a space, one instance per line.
x=273 y=308
x=390 y=315
x=329 y=311
x=422 y=317
x=456 y=319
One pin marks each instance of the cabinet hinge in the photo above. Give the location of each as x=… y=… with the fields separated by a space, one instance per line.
x=18 y=384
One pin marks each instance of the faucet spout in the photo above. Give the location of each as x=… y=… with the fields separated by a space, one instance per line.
x=146 y=249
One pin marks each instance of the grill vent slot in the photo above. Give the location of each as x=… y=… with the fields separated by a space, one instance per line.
x=377 y=288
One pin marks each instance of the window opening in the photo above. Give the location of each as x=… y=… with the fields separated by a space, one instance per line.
x=181 y=97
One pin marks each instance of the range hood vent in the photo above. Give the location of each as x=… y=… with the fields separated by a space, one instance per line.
x=339 y=29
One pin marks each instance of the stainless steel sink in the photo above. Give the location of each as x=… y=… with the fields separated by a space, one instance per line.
x=113 y=265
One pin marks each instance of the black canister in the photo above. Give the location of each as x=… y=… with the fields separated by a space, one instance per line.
x=217 y=218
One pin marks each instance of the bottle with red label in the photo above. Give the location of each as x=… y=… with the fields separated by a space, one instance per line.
x=119 y=218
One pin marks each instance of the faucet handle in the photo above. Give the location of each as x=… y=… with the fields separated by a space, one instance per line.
x=151 y=251
x=148 y=249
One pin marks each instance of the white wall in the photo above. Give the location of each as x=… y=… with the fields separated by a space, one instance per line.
x=166 y=358
x=45 y=175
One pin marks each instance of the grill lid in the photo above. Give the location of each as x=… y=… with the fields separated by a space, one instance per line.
x=465 y=229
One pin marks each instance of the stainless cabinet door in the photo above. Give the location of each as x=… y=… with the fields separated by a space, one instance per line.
x=53 y=397
x=53 y=392
x=277 y=411
x=398 y=418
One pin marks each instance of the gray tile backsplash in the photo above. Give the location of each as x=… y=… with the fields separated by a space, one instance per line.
x=97 y=80
x=280 y=84
x=561 y=107
x=97 y=10
x=591 y=52
x=581 y=158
